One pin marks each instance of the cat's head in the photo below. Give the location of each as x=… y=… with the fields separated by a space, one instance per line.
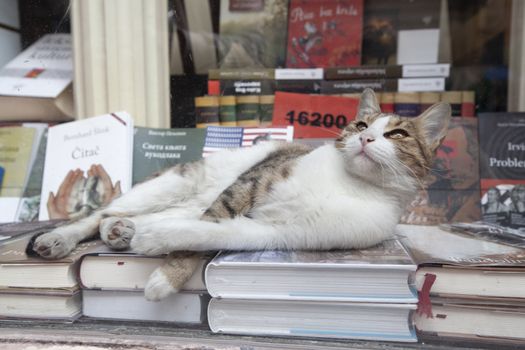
x=388 y=149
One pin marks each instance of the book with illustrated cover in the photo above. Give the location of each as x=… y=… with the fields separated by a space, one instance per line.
x=252 y=33
x=36 y=85
x=88 y=162
x=502 y=168
x=324 y=33
x=377 y=274
x=451 y=191
x=157 y=149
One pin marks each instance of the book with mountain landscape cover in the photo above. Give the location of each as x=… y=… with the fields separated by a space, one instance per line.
x=180 y=308
x=313 y=319
x=451 y=190
x=502 y=168
x=462 y=265
x=252 y=33
x=324 y=33
x=87 y=161
x=157 y=149
x=377 y=274
x=36 y=85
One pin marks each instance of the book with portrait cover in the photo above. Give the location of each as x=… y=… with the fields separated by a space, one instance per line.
x=324 y=33
x=502 y=168
x=451 y=190
x=88 y=162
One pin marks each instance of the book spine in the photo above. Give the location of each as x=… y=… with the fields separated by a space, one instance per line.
x=427 y=99
x=348 y=86
x=246 y=87
x=454 y=99
x=387 y=102
x=363 y=72
x=425 y=70
x=241 y=74
x=421 y=84
x=468 y=104
x=227 y=111
x=214 y=88
x=248 y=110
x=266 y=109
x=407 y=104
x=299 y=86
x=299 y=74
x=207 y=111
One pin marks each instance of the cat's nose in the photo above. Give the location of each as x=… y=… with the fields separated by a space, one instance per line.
x=366 y=139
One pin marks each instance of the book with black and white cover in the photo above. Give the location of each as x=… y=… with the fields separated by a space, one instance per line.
x=319 y=319
x=184 y=308
x=87 y=161
x=379 y=274
x=36 y=85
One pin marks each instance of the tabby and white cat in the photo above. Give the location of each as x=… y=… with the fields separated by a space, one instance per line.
x=270 y=196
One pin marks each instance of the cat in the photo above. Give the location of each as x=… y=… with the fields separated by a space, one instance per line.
x=349 y=194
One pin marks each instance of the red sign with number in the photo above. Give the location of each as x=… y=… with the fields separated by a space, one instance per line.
x=313 y=116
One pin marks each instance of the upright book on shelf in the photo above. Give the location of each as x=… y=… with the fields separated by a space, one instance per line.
x=324 y=33
x=36 y=85
x=88 y=162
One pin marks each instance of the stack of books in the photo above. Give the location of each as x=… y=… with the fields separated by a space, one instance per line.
x=113 y=288
x=470 y=288
x=33 y=288
x=352 y=294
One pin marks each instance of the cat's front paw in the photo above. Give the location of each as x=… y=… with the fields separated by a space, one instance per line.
x=53 y=245
x=158 y=287
x=117 y=232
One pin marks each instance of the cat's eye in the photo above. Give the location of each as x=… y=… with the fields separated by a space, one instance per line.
x=361 y=126
x=396 y=134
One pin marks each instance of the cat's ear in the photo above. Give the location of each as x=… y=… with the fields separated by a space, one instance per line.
x=367 y=104
x=434 y=124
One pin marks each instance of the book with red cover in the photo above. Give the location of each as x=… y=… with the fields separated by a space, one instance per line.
x=324 y=33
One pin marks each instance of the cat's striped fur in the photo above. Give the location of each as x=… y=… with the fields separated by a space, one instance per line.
x=271 y=196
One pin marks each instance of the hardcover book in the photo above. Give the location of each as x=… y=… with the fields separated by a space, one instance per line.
x=451 y=190
x=502 y=168
x=390 y=71
x=157 y=149
x=377 y=274
x=387 y=85
x=88 y=162
x=324 y=33
x=36 y=85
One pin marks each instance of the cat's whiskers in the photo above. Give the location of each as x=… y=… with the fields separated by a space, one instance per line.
x=418 y=180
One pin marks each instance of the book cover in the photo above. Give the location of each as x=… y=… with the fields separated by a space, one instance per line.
x=252 y=33
x=36 y=85
x=451 y=190
x=502 y=168
x=88 y=162
x=342 y=275
x=157 y=149
x=324 y=33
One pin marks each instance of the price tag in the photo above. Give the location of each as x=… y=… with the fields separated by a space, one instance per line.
x=313 y=116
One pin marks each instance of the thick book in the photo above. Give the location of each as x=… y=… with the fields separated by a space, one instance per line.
x=40 y=304
x=386 y=85
x=36 y=85
x=157 y=149
x=88 y=162
x=502 y=168
x=15 y=229
x=451 y=190
x=463 y=266
x=241 y=74
x=324 y=33
x=109 y=270
x=183 y=308
x=378 y=274
x=484 y=323
x=21 y=268
x=238 y=87
x=299 y=318
x=389 y=71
